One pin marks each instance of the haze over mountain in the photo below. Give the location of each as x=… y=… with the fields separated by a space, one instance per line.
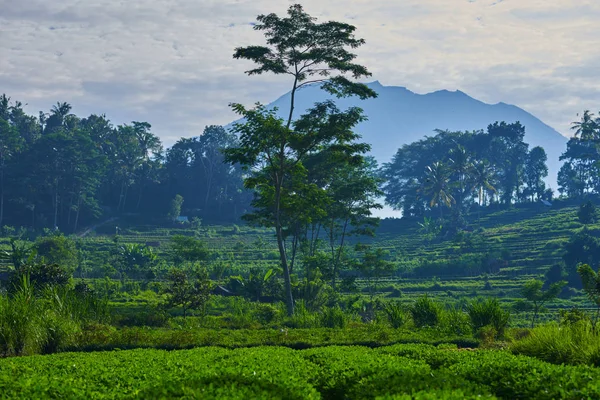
x=398 y=116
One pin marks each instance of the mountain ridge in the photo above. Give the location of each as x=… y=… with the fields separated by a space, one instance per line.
x=400 y=116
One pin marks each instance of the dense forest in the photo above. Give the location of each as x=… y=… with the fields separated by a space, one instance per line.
x=58 y=170
x=61 y=170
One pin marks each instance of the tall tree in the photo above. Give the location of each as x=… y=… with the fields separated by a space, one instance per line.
x=311 y=53
x=461 y=167
x=483 y=178
x=10 y=145
x=436 y=186
x=587 y=128
x=535 y=172
x=508 y=151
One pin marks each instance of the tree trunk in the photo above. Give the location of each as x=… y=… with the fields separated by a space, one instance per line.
x=339 y=255
x=2 y=195
x=55 y=206
x=77 y=213
x=137 y=206
x=289 y=298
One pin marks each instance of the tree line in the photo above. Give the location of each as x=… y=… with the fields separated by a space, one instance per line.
x=58 y=170
x=457 y=170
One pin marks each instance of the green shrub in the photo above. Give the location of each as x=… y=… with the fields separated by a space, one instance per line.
x=573 y=316
x=266 y=313
x=573 y=344
x=395 y=314
x=455 y=321
x=333 y=317
x=425 y=312
x=484 y=312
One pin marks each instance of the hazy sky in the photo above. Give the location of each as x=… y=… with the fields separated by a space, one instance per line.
x=169 y=62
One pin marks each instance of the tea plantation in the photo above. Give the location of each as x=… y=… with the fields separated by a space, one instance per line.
x=394 y=372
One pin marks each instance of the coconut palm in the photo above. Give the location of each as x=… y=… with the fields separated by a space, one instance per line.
x=437 y=186
x=587 y=128
x=482 y=176
x=461 y=167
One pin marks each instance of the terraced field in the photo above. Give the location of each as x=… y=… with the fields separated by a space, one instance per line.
x=528 y=238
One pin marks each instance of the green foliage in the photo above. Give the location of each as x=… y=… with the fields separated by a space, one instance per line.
x=591 y=285
x=582 y=248
x=134 y=258
x=42 y=275
x=175 y=207
x=20 y=253
x=425 y=312
x=187 y=249
x=573 y=343
x=334 y=317
x=253 y=285
x=276 y=153
x=395 y=314
x=573 y=316
x=373 y=264
x=430 y=227
x=587 y=213
x=453 y=169
x=487 y=312
x=58 y=249
x=45 y=321
x=190 y=294
x=392 y=372
x=532 y=292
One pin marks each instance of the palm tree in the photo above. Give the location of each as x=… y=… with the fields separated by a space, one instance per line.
x=148 y=142
x=461 y=166
x=587 y=128
x=57 y=116
x=482 y=175
x=436 y=186
x=61 y=110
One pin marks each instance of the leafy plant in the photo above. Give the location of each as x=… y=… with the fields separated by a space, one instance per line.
x=532 y=291
x=587 y=213
x=395 y=314
x=190 y=294
x=487 y=312
x=425 y=312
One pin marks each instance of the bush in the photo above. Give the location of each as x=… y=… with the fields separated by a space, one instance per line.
x=334 y=317
x=573 y=316
x=487 y=312
x=587 y=213
x=455 y=321
x=395 y=314
x=266 y=313
x=425 y=312
x=573 y=344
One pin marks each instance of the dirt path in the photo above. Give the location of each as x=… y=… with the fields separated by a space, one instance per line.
x=93 y=227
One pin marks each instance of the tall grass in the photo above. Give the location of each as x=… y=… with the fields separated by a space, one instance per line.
x=488 y=313
x=44 y=322
x=576 y=343
x=425 y=312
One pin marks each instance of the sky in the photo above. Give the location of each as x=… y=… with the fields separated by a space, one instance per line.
x=169 y=62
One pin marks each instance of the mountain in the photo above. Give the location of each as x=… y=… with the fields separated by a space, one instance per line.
x=398 y=116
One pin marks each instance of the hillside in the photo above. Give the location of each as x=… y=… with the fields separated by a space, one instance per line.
x=531 y=234
x=398 y=116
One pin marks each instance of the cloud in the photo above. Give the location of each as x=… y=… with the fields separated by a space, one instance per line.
x=170 y=62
